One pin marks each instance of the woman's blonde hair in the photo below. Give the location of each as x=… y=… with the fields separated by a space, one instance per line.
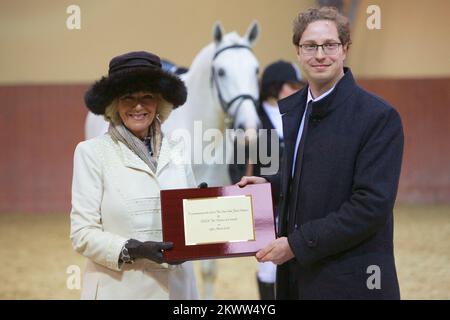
x=112 y=113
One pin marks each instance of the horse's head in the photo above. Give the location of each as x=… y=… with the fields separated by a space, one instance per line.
x=235 y=77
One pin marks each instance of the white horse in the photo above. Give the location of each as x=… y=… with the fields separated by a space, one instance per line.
x=222 y=84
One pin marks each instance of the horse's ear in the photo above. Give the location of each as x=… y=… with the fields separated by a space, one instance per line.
x=218 y=32
x=252 y=32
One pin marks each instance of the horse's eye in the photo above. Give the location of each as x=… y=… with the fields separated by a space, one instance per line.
x=221 y=72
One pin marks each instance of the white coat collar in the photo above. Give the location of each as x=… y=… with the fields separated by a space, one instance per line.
x=131 y=160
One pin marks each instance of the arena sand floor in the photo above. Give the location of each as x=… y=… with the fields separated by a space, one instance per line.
x=36 y=254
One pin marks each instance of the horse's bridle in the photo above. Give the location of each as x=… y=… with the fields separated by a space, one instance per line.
x=224 y=104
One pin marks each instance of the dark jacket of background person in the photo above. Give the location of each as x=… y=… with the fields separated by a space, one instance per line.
x=267 y=124
x=237 y=170
x=275 y=81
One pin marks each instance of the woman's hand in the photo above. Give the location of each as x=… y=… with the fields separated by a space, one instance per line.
x=151 y=250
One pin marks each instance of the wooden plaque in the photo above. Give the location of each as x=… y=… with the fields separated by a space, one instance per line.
x=259 y=231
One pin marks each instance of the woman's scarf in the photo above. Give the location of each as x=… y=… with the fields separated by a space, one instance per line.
x=122 y=134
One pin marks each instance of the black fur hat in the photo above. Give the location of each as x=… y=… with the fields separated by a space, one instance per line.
x=133 y=72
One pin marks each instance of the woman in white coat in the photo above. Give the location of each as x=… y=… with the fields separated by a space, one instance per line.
x=117 y=178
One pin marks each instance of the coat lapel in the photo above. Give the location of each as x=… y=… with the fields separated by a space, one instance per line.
x=164 y=155
x=131 y=160
x=291 y=109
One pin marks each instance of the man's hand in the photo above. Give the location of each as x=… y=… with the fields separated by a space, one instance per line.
x=245 y=180
x=278 y=252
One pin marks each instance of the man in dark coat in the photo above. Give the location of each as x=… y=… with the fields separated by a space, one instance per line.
x=340 y=172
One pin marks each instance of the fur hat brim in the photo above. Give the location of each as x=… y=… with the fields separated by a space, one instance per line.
x=104 y=91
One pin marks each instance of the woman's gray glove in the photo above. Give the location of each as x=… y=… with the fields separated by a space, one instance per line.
x=151 y=250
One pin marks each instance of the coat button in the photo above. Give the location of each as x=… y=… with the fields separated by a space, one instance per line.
x=296 y=226
x=311 y=243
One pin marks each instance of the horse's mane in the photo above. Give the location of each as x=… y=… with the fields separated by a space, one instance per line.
x=207 y=53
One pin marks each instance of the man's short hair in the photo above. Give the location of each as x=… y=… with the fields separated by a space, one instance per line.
x=303 y=19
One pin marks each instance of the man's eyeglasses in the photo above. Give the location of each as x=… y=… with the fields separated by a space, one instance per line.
x=310 y=49
x=132 y=101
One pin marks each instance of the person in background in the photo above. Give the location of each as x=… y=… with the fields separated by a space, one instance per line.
x=279 y=80
x=117 y=178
